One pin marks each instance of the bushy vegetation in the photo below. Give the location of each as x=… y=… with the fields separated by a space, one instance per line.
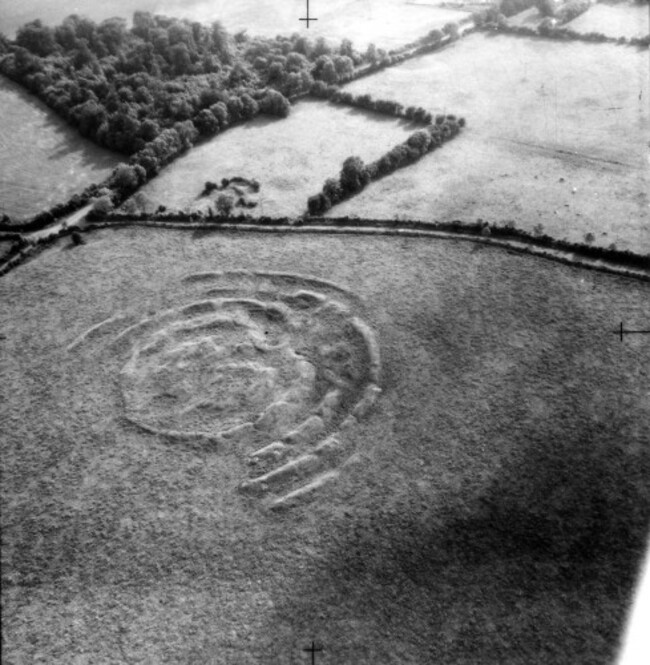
x=162 y=84
x=549 y=28
x=355 y=175
x=367 y=103
x=376 y=59
x=512 y=7
x=210 y=187
x=46 y=217
x=153 y=90
x=506 y=231
x=125 y=88
x=548 y=7
x=563 y=13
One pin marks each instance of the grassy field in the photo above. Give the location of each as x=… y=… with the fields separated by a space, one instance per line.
x=493 y=508
x=555 y=136
x=387 y=23
x=619 y=20
x=290 y=158
x=42 y=160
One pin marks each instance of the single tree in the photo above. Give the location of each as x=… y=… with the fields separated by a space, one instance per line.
x=225 y=204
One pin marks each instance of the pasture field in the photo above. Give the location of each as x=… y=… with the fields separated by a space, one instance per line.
x=543 y=119
x=43 y=161
x=387 y=23
x=291 y=158
x=492 y=506
x=626 y=19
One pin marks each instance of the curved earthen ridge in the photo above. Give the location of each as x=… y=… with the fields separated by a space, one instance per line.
x=275 y=366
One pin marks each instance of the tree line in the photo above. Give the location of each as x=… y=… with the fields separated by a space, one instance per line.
x=355 y=175
x=123 y=88
x=506 y=231
x=367 y=103
x=491 y=20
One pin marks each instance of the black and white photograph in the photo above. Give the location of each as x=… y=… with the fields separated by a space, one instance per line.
x=325 y=332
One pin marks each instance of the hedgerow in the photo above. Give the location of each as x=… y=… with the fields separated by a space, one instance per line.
x=355 y=175
x=549 y=28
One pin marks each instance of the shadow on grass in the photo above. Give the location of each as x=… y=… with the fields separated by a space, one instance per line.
x=88 y=154
x=71 y=142
x=380 y=117
x=531 y=554
x=539 y=569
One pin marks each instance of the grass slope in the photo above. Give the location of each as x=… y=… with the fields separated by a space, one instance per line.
x=42 y=160
x=544 y=118
x=497 y=512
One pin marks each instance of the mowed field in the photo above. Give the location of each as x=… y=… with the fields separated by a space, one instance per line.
x=291 y=158
x=42 y=160
x=556 y=135
x=387 y=23
x=494 y=506
x=619 y=20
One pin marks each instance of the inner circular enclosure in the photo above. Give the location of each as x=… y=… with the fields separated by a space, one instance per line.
x=270 y=357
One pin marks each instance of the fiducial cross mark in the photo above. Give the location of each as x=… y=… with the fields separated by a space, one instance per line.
x=308 y=18
x=313 y=649
x=621 y=331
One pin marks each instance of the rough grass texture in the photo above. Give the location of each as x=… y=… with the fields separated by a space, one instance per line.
x=42 y=160
x=494 y=510
x=544 y=119
x=290 y=158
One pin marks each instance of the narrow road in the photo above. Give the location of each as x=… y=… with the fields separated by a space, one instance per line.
x=77 y=217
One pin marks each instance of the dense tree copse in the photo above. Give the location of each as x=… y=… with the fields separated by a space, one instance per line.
x=274 y=103
x=122 y=87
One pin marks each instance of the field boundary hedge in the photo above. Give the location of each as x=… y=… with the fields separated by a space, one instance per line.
x=390 y=228
x=486 y=22
x=619 y=262
x=355 y=176
x=433 y=41
x=26 y=248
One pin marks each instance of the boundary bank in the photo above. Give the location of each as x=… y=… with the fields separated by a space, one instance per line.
x=321 y=226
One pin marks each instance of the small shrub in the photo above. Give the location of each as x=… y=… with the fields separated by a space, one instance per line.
x=452 y=30
x=209 y=187
x=225 y=204
x=77 y=238
x=318 y=204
